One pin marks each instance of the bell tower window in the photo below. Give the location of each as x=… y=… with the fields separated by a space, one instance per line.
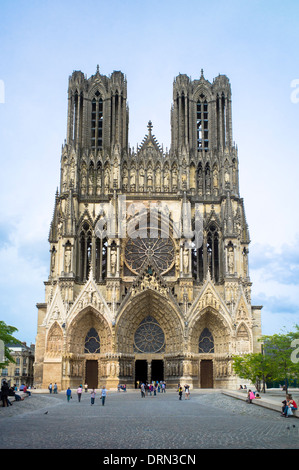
x=85 y=251
x=202 y=121
x=97 y=122
x=213 y=253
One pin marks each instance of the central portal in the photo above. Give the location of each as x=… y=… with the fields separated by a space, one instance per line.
x=148 y=371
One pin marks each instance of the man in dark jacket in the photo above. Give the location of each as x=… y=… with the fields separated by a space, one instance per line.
x=4 y=393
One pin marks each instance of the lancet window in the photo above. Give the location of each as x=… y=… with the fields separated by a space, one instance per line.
x=85 y=249
x=213 y=252
x=97 y=122
x=206 y=342
x=202 y=120
x=92 y=342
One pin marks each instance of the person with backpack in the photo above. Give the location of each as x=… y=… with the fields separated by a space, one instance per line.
x=180 y=390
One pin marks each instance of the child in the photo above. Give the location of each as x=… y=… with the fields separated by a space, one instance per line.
x=92 y=396
x=68 y=394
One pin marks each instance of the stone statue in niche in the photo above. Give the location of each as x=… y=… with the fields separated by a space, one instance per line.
x=230 y=259
x=215 y=178
x=68 y=259
x=113 y=261
x=132 y=179
x=141 y=179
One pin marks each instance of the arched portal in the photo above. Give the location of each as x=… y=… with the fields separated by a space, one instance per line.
x=149 y=331
x=210 y=344
x=89 y=339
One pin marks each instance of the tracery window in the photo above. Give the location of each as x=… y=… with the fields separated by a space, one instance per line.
x=149 y=337
x=206 y=342
x=92 y=342
x=140 y=250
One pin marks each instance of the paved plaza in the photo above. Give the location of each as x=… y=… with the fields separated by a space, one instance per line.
x=209 y=420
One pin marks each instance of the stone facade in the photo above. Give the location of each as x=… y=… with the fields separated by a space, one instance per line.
x=149 y=274
x=21 y=371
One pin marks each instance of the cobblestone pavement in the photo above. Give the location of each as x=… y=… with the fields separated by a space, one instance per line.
x=209 y=420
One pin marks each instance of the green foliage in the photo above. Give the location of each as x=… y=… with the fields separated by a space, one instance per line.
x=277 y=361
x=253 y=367
x=279 y=348
x=6 y=332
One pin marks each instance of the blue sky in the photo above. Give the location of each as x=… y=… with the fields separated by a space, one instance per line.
x=254 y=43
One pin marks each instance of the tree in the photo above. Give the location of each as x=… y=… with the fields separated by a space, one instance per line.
x=7 y=338
x=278 y=360
x=279 y=349
x=254 y=367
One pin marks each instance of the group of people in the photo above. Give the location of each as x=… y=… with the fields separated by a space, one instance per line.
x=10 y=391
x=92 y=394
x=152 y=388
x=187 y=391
x=53 y=388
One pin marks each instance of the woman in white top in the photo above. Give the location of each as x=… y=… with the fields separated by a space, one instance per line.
x=79 y=392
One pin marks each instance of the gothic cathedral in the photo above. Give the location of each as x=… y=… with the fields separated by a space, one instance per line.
x=149 y=251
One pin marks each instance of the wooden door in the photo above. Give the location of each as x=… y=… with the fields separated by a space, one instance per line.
x=206 y=374
x=91 y=376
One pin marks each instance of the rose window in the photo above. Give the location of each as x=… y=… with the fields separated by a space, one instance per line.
x=149 y=337
x=140 y=250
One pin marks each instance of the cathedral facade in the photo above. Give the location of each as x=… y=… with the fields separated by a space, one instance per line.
x=148 y=276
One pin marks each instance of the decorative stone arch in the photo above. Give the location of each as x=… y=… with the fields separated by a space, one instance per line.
x=243 y=339
x=79 y=327
x=216 y=324
x=203 y=88
x=214 y=363
x=97 y=87
x=149 y=303
x=54 y=343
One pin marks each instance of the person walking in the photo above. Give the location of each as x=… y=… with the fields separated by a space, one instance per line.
x=85 y=388
x=79 y=392
x=180 y=390
x=55 y=387
x=92 y=396
x=50 y=388
x=68 y=394
x=104 y=394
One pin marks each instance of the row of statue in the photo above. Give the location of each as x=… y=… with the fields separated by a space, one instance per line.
x=96 y=181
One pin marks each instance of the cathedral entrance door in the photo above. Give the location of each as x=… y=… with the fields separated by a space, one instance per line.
x=157 y=370
x=91 y=374
x=140 y=371
x=206 y=374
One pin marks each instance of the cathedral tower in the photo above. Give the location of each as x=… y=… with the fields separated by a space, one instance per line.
x=148 y=276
